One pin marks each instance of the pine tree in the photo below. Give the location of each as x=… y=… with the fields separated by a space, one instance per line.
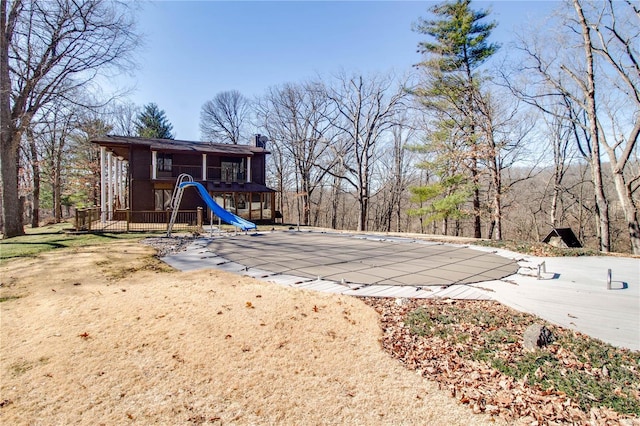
x=153 y=123
x=460 y=43
x=451 y=87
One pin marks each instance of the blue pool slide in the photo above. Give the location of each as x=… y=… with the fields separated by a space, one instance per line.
x=225 y=215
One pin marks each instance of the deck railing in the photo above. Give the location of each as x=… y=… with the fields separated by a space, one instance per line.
x=178 y=169
x=94 y=220
x=213 y=173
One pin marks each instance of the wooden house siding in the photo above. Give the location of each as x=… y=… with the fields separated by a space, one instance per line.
x=228 y=179
x=258 y=172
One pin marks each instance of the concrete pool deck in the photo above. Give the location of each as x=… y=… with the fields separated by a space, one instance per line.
x=572 y=292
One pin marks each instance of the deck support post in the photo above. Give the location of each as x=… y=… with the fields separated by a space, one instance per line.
x=103 y=183
x=154 y=165
x=199 y=218
x=204 y=167
x=110 y=184
x=116 y=183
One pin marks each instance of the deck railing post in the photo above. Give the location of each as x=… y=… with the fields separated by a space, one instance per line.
x=199 y=218
x=88 y=222
x=128 y=217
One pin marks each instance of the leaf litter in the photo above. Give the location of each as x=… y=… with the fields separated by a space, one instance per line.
x=474 y=350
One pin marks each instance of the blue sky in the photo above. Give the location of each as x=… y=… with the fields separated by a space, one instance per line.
x=196 y=49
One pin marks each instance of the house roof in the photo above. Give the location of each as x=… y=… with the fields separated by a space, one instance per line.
x=117 y=143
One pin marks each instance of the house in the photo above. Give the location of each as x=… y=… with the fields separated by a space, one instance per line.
x=139 y=174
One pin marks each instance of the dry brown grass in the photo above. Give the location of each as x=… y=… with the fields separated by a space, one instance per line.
x=110 y=336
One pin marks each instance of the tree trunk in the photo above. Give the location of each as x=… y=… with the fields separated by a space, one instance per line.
x=9 y=140
x=594 y=131
x=363 y=198
x=554 y=206
x=497 y=201
x=496 y=176
x=59 y=153
x=306 y=209
x=363 y=214
x=629 y=209
x=335 y=194
x=57 y=196
x=35 y=167
x=477 y=224
x=11 y=217
x=35 y=212
x=497 y=215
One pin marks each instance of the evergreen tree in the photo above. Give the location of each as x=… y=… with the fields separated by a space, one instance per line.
x=153 y=123
x=451 y=87
x=452 y=189
x=460 y=43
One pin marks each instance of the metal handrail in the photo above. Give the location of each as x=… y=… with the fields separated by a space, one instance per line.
x=176 y=198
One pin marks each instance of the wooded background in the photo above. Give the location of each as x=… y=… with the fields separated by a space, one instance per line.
x=460 y=145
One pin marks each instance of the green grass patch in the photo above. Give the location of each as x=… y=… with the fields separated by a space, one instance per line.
x=9 y=298
x=589 y=371
x=51 y=237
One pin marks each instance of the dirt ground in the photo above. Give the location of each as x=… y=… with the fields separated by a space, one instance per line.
x=110 y=335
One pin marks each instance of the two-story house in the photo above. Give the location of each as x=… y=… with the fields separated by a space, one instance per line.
x=140 y=174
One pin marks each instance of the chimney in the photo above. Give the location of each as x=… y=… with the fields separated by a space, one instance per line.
x=260 y=141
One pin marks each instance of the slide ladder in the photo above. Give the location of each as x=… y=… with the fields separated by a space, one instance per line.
x=185 y=180
x=176 y=198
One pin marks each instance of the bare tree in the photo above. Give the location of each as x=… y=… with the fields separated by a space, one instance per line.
x=84 y=158
x=503 y=130
x=365 y=109
x=611 y=32
x=561 y=141
x=295 y=119
x=223 y=118
x=396 y=175
x=597 y=71
x=280 y=169
x=48 y=50
x=123 y=117
x=588 y=89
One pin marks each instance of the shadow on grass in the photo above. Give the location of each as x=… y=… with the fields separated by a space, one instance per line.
x=35 y=243
x=110 y=235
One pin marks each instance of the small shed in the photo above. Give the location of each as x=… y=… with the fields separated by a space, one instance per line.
x=562 y=238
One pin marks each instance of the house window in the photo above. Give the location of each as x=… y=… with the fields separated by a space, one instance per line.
x=233 y=169
x=164 y=162
x=162 y=198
